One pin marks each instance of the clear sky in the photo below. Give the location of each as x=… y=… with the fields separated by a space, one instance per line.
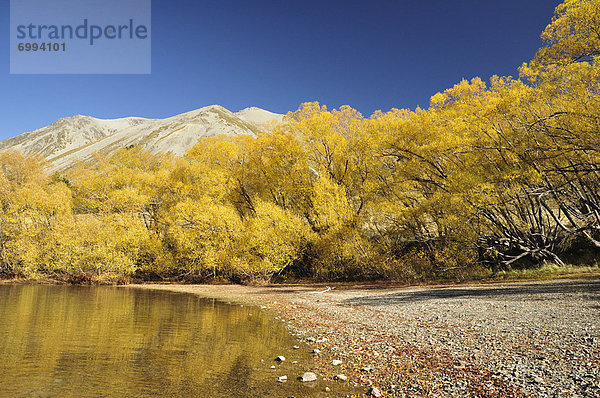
x=274 y=54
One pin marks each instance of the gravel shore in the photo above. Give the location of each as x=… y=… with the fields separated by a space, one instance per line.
x=521 y=339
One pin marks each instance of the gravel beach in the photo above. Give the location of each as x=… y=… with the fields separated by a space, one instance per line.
x=539 y=339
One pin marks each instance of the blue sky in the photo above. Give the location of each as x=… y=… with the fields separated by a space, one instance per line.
x=275 y=54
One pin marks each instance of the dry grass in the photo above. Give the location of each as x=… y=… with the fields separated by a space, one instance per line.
x=550 y=272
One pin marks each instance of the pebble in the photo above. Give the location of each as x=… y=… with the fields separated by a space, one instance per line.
x=374 y=392
x=280 y=358
x=336 y=362
x=307 y=377
x=282 y=379
x=340 y=377
x=536 y=339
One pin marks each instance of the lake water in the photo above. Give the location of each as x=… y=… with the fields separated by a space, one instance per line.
x=64 y=341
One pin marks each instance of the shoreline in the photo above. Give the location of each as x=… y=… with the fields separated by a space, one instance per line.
x=497 y=340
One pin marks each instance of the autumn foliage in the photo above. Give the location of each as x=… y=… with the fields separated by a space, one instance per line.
x=490 y=177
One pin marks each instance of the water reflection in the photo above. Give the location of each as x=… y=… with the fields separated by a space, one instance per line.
x=102 y=341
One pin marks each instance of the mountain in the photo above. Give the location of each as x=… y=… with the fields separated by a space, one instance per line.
x=257 y=116
x=76 y=138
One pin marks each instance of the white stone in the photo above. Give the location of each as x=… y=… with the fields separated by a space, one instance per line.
x=308 y=377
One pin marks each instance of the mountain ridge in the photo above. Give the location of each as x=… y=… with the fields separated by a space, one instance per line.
x=76 y=138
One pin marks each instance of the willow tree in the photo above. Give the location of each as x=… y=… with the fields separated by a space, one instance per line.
x=573 y=34
x=31 y=207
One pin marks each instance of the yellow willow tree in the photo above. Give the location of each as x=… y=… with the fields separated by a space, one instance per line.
x=224 y=160
x=335 y=159
x=272 y=240
x=549 y=129
x=117 y=228
x=317 y=167
x=562 y=116
x=278 y=171
x=31 y=207
x=202 y=236
x=238 y=222
x=526 y=150
x=131 y=181
x=573 y=34
x=501 y=182
x=337 y=146
x=419 y=220
x=495 y=180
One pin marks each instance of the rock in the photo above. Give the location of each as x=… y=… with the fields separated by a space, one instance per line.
x=282 y=379
x=340 y=377
x=322 y=340
x=374 y=392
x=460 y=364
x=316 y=351
x=336 y=362
x=327 y=389
x=294 y=362
x=273 y=367
x=280 y=358
x=296 y=347
x=308 y=377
